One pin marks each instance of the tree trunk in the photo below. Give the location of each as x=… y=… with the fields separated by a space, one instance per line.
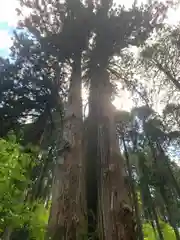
x=67 y=217
x=166 y=161
x=168 y=74
x=115 y=216
x=7 y=234
x=148 y=200
x=133 y=192
x=170 y=216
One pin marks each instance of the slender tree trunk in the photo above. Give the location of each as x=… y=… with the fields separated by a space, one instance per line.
x=7 y=234
x=67 y=217
x=171 y=220
x=161 y=237
x=115 y=216
x=161 y=185
x=168 y=74
x=134 y=194
x=149 y=198
x=168 y=167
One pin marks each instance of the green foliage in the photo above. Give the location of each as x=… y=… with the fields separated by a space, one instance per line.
x=166 y=229
x=38 y=221
x=31 y=87
x=16 y=164
x=148 y=232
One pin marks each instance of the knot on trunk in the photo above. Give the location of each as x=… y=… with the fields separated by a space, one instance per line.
x=75 y=219
x=110 y=169
x=126 y=216
x=125 y=212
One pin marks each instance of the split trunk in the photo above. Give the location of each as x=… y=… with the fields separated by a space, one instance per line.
x=115 y=215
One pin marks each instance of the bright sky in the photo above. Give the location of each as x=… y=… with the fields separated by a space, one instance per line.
x=9 y=19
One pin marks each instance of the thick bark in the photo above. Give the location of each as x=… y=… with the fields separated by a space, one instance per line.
x=67 y=217
x=115 y=216
x=91 y=176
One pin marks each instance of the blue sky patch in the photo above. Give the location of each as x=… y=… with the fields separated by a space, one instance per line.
x=6 y=33
x=5 y=26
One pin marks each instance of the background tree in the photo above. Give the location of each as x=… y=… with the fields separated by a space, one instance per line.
x=63 y=45
x=153 y=170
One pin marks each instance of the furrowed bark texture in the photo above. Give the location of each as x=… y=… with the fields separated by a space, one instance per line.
x=115 y=216
x=67 y=217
